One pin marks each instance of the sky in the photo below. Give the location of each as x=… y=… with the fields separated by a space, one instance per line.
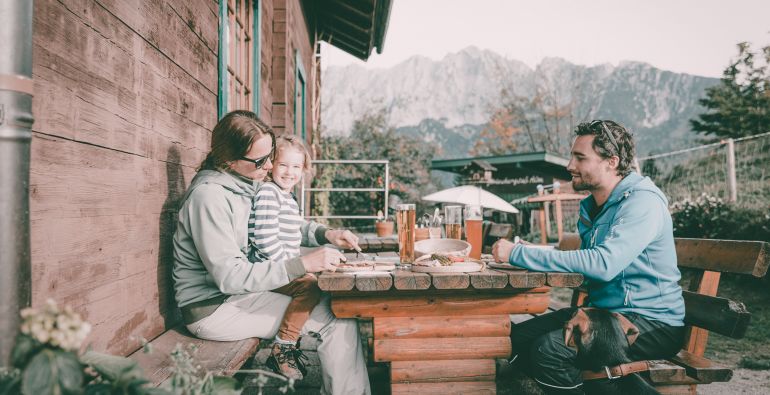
x=688 y=36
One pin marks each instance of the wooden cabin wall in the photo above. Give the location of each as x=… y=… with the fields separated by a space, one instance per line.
x=125 y=99
x=291 y=33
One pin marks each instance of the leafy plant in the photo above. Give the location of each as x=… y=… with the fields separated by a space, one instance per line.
x=709 y=217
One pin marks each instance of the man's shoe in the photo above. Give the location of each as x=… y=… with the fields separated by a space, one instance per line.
x=284 y=360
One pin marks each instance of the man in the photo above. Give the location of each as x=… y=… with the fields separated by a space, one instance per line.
x=627 y=256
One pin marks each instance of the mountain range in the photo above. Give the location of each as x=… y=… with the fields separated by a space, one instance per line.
x=449 y=101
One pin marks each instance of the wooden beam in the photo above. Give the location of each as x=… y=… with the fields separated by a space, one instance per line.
x=449 y=388
x=440 y=305
x=446 y=326
x=716 y=314
x=441 y=348
x=442 y=371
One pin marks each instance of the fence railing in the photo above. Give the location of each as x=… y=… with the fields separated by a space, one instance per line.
x=735 y=170
x=306 y=193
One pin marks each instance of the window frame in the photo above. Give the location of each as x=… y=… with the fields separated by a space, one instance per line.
x=224 y=48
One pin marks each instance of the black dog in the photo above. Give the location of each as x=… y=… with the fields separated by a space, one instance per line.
x=603 y=339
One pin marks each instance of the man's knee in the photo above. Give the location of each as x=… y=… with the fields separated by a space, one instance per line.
x=552 y=362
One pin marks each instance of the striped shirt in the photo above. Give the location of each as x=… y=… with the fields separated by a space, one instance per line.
x=274 y=223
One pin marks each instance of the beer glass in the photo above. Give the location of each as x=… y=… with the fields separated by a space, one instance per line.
x=453 y=221
x=405 y=222
x=473 y=217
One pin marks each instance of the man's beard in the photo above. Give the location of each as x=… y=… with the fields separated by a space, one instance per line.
x=582 y=184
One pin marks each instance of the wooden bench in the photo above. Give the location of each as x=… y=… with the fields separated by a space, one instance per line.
x=219 y=358
x=705 y=259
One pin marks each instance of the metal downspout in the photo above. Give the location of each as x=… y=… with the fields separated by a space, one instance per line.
x=15 y=138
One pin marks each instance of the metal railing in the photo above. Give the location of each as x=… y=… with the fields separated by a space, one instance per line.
x=385 y=189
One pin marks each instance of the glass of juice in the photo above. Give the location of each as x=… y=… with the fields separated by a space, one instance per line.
x=453 y=220
x=473 y=219
x=405 y=222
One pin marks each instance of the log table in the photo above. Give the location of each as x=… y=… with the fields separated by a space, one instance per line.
x=441 y=332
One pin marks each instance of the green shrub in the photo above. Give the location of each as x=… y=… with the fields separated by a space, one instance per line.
x=711 y=218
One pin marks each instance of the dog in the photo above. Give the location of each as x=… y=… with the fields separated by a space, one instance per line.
x=603 y=339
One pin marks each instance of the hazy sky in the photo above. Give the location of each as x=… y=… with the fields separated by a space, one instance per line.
x=692 y=36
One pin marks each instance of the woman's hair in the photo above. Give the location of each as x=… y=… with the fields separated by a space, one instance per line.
x=232 y=138
x=284 y=142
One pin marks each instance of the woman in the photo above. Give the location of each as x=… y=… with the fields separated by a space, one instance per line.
x=223 y=286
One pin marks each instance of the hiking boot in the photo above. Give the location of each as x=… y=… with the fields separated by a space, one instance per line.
x=285 y=360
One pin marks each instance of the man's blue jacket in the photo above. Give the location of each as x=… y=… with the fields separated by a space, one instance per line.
x=627 y=253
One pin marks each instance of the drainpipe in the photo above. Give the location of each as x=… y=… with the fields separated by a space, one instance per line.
x=15 y=136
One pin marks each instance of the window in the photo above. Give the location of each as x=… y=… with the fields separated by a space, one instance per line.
x=299 y=97
x=239 y=56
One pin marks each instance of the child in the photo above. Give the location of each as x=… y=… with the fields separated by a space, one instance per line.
x=274 y=230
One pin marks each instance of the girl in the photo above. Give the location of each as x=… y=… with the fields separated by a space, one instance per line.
x=274 y=231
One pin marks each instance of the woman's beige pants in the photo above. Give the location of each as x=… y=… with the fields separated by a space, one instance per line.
x=259 y=315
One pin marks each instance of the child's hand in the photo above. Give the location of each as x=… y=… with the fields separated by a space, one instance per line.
x=343 y=238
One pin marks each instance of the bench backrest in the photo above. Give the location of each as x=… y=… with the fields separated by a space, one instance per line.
x=708 y=259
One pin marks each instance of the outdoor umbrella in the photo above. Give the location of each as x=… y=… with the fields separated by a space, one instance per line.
x=468 y=194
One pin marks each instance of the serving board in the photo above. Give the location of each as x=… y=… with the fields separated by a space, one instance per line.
x=503 y=266
x=357 y=267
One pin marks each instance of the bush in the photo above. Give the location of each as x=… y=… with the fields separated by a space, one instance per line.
x=711 y=218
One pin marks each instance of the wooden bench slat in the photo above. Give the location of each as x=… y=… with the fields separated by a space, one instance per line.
x=702 y=369
x=447 y=388
x=447 y=326
x=408 y=280
x=488 y=278
x=564 y=280
x=216 y=357
x=386 y=350
x=729 y=256
x=716 y=314
x=373 y=281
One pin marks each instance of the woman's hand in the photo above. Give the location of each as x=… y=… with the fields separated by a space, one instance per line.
x=321 y=259
x=343 y=238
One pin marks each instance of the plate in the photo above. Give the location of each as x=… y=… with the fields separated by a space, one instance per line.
x=365 y=266
x=503 y=266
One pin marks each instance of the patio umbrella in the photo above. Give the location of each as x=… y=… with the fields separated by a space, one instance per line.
x=468 y=194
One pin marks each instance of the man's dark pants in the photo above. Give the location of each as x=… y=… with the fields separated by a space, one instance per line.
x=539 y=349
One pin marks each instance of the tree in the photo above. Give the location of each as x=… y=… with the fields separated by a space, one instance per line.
x=373 y=138
x=740 y=104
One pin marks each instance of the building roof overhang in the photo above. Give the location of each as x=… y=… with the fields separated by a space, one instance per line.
x=354 y=26
x=543 y=161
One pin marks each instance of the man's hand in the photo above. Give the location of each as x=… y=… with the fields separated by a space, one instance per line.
x=501 y=250
x=321 y=259
x=343 y=238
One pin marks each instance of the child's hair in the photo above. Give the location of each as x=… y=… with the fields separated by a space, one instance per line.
x=291 y=141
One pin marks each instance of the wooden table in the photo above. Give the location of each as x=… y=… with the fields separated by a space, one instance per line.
x=441 y=332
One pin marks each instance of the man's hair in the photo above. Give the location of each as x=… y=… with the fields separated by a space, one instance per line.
x=620 y=143
x=233 y=136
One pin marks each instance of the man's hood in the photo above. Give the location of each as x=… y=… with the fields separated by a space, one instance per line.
x=631 y=183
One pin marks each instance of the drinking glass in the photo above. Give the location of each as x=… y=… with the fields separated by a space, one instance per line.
x=405 y=221
x=473 y=217
x=453 y=221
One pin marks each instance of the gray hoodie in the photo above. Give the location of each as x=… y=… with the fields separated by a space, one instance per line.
x=211 y=242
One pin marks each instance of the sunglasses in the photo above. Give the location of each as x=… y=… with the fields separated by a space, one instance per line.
x=607 y=132
x=259 y=162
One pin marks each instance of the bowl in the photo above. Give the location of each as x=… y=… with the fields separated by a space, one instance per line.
x=443 y=246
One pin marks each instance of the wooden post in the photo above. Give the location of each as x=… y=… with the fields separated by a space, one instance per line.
x=732 y=185
x=543 y=230
x=559 y=215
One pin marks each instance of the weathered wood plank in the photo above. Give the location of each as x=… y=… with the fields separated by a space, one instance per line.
x=665 y=372
x=329 y=281
x=373 y=281
x=442 y=371
x=564 y=280
x=449 y=388
x=213 y=356
x=706 y=283
x=345 y=306
x=408 y=280
x=716 y=314
x=525 y=279
x=702 y=369
x=447 y=326
x=488 y=278
x=450 y=280
x=441 y=348
x=730 y=256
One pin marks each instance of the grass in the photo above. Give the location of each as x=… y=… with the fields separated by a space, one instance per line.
x=753 y=351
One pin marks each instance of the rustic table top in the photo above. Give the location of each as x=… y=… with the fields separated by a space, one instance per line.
x=487 y=279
